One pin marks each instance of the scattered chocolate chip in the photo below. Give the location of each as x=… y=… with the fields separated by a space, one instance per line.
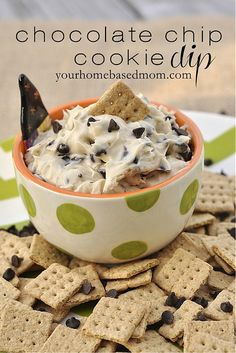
x=103 y=173
x=86 y=287
x=113 y=126
x=180 y=131
x=112 y=293
x=28 y=230
x=12 y=229
x=62 y=148
x=9 y=274
x=90 y=120
x=208 y=162
x=222 y=215
x=56 y=126
x=201 y=301
x=100 y=152
x=92 y=158
x=233 y=220
x=201 y=317
x=80 y=175
x=187 y=155
x=73 y=323
x=227 y=307
x=16 y=261
x=214 y=293
x=167 y=317
x=232 y=232
x=138 y=132
x=222 y=172
x=179 y=302
x=50 y=143
x=171 y=300
x=135 y=161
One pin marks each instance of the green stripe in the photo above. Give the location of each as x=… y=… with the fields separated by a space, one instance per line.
x=7 y=144
x=221 y=147
x=8 y=189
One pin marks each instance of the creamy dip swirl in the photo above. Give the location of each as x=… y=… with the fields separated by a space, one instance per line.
x=105 y=154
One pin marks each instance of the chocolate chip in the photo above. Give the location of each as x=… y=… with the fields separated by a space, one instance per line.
x=90 y=120
x=28 y=230
x=227 y=307
x=167 y=317
x=56 y=127
x=80 y=175
x=179 y=302
x=232 y=232
x=201 y=317
x=16 y=261
x=138 y=132
x=103 y=173
x=62 y=148
x=113 y=126
x=208 y=162
x=100 y=152
x=92 y=158
x=222 y=215
x=201 y=301
x=9 y=274
x=135 y=161
x=12 y=229
x=112 y=293
x=86 y=287
x=214 y=293
x=180 y=131
x=171 y=300
x=73 y=323
x=187 y=155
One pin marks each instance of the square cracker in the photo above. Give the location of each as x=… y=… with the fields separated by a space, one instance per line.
x=147 y=293
x=214 y=311
x=90 y=274
x=130 y=269
x=65 y=339
x=158 y=306
x=24 y=297
x=199 y=219
x=55 y=285
x=44 y=254
x=120 y=101
x=219 y=280
x=114 y=319
x=186 y=313
x=215 y=195
x=228 y=269
x=225 y=249
x=76 y=262
x=151 y=342
x=23 y=330
x=12 y=245
x=141 y=328
x=183 y=274
x=122 y=285
x=209 y=336
x=7 y=290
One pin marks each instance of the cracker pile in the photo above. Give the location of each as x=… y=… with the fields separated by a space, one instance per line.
x=182 y=298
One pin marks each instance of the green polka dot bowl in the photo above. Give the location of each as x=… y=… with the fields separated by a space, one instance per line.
x=111 y=228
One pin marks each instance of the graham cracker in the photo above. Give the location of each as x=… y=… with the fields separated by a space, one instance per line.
x=209 y=336
x=58 y=314
x=219 y=280
x=147 y=293
x=141 y=328
x=55 y=285
x=228 y=269
x=4 y=265
x=200 y=230
x=223 y=227
x=130 y=269
x=199 y=219
x=215 y=195
x=214 y=311
x=151 y=342
x=120 y=101
x=76 y=262
x=136 y=281
x=24 y=297
x=7 y=290
x=12 y=245
x=65 y=339
x=23 y=330
x=211 y=228
x=44 y=254
x=186 y=313
x=114 y=319
x=90 y=274
x=183 y=274
x=225 y=249
x=157 y=308
x=106 y=347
